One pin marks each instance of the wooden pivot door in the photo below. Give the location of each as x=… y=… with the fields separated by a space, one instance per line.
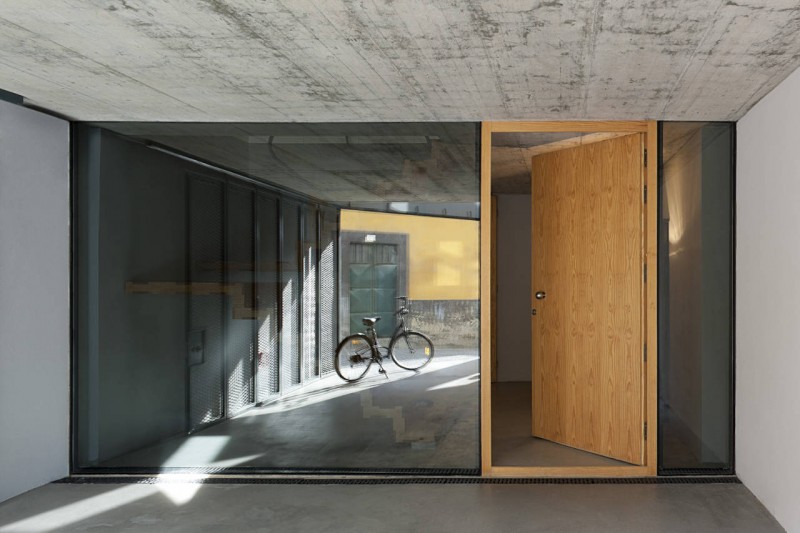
x=587 y=262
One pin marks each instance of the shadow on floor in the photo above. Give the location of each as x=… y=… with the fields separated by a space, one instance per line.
x=426 y=419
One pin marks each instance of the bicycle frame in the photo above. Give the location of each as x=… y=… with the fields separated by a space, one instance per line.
x=373 y=336
x=374 y=352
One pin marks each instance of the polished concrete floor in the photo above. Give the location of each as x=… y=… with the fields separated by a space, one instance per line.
x=426 y=419
x=512 y=443
x=177 y=507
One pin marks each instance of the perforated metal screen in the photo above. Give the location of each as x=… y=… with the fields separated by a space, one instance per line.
x=206 y=307
x=263 y=298
x=240 y=301
x=309 y=308
x=328 y=304
x=267 y=291
x=290 y=296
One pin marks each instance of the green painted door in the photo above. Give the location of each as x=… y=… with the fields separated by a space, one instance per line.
x=373 y=285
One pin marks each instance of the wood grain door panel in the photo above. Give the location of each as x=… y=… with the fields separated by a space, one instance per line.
x=587 y=256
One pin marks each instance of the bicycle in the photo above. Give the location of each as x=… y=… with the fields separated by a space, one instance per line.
x=410 y=350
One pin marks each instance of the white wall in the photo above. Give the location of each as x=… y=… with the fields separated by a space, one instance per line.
x=768 y=302
x=34 y=299
x=513 y=287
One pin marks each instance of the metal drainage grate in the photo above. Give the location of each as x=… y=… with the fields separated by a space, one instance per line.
x=251 y=480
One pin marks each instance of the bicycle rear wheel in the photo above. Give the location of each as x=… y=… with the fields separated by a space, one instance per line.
x=411 y=350
x=353 y=357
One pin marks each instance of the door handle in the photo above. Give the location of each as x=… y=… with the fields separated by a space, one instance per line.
x=540 y=295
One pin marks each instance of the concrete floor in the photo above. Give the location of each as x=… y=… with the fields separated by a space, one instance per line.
x=173 y=507
x=512 y=443
x=427 y=419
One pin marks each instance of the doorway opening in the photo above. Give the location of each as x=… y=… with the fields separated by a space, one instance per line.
x=572 y=388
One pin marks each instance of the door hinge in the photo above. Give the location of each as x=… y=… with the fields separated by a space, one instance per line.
x=645 y=194
x=645 y=157
x=645 y=352
x=645 y=273
x=645 y=431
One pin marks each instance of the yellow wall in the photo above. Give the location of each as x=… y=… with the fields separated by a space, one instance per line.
x=443 y=253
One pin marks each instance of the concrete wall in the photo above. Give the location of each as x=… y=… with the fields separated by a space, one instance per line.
x=34 y=299
x=513 y=287
x=767 y=296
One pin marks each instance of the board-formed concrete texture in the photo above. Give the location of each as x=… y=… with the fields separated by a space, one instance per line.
x=383 y=60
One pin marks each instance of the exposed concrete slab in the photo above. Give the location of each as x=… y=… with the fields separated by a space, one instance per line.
x=347 y=60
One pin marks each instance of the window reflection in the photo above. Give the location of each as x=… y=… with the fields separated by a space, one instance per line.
x=695 y=296
x=218 y=270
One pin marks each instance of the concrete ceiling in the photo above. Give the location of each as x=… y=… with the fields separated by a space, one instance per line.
x=427 y=168
x=389 y=60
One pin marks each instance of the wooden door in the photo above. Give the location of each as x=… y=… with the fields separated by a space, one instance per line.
x=587 y=257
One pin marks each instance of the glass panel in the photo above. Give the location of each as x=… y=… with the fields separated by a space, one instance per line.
x=210 y=302
x=695 y=296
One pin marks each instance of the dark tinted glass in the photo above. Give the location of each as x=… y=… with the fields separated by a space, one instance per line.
x=696 y=296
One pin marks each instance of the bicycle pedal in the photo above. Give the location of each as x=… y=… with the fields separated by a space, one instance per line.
x=381 y=371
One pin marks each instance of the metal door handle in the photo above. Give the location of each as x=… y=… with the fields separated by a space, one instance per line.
x=540 y=295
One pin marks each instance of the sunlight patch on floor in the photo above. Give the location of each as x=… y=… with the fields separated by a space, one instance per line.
x=333 y=386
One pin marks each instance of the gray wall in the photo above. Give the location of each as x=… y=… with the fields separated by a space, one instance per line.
x=513 y=287
x=34 y=299
x=132 y=347
x=768 y=302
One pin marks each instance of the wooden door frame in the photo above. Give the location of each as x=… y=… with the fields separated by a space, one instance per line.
x=650 y=304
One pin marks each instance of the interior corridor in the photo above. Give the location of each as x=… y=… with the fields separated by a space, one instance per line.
x=426 y=419
x=512 y=443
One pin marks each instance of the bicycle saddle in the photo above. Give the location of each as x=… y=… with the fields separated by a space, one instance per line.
x=370 y=321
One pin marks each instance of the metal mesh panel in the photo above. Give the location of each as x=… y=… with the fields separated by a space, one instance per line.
x=327 y=291
x=267 y=291
x=309 y=295
x=290 y=292
x=206 y=307
x=240 y=304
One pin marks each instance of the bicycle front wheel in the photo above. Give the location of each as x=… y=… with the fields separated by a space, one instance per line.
x=353 y=357
x=411 y=350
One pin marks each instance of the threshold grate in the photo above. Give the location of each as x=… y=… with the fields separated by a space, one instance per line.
x=428 y=480
x=695 y=472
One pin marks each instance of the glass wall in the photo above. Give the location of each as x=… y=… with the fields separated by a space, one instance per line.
x=211 y=295
x=696 y=297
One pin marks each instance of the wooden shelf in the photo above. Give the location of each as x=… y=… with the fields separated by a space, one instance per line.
x=238 y=292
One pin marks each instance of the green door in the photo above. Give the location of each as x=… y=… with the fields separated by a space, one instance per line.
x=373 y=285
